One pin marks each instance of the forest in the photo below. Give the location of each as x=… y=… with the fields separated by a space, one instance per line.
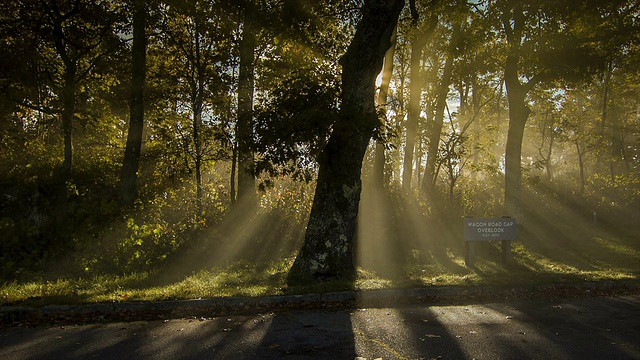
x=340 y=138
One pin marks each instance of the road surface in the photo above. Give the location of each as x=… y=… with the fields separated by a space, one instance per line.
x=581 y=328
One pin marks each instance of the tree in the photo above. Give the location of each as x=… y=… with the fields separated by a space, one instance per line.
x=547 y=126
x=453 y=157
x=381 y=102
x=244 y=127
x=419 y=39
x=328 y=248
x=442 y=92
x=576 y=130
x=543 y=43
x=82 y=35
x=197 y=31
x=130 y=163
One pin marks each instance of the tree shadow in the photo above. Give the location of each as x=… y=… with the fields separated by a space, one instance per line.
x=601 y=328
x=429 y=337
x=309 y=335
x=299 y=335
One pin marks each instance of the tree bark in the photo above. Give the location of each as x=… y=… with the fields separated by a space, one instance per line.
x=518 y=115
x=413 y=113
x=387 y=71
x=246 y=180
x=328 y=248
x=198 y=156
x=68 y=110
x=131 y=161
x=68 y=91
x=580 y=165
x=518 y=112
x=547 y=162
x=435 y=130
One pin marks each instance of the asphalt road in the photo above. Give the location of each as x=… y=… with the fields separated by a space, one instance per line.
x=582 y=328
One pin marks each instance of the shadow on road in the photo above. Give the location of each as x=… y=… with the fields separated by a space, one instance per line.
x=586 y=328
x=579 y=330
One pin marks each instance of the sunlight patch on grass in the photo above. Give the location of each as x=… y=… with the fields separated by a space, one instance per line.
x=596 y=259
x=538 y=263
x=615 y=246
x=235 y=280
x=372 y=281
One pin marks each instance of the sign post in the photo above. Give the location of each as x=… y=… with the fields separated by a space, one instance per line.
x=488 y=229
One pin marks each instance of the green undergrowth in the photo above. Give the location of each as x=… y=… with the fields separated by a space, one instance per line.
x=599 y=257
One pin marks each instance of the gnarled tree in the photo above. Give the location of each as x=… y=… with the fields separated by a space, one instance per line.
x=328 y=248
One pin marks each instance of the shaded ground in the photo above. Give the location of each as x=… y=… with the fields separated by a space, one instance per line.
x=578 y=328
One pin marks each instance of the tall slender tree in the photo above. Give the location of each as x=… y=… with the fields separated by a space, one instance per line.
x=198 y=33
x=419 y=39
x=131 y=161
x=442 y=92
x=544 y=43
x=82 y=35
x=244 y=128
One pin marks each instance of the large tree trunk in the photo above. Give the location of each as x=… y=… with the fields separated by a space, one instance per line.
x=328 y=248
x=131 y=161
x=246 y=180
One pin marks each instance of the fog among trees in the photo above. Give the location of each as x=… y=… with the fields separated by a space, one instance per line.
x=342 y=135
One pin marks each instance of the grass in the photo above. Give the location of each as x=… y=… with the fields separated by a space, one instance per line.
x=238 y=279
x=536 y=259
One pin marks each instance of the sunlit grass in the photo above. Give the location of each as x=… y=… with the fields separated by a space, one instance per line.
x=235 y=280
x=598 y=257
